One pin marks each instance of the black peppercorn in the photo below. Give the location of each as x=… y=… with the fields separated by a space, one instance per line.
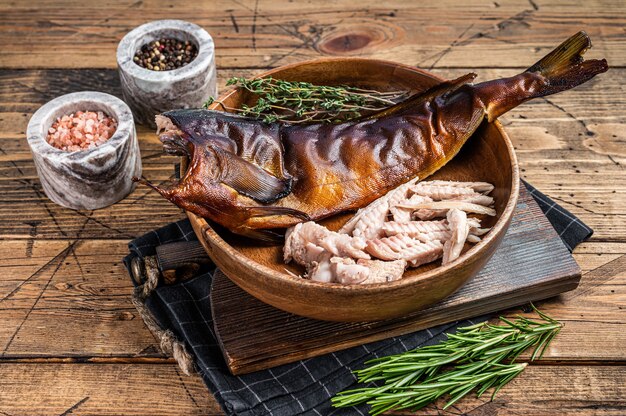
x=165 y=54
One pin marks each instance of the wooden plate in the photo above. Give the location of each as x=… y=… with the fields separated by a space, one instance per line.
x=259 y=269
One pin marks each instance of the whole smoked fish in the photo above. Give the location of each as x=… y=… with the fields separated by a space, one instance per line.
x=252 y=177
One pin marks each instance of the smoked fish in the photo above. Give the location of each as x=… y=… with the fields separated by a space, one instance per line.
x=253 y=177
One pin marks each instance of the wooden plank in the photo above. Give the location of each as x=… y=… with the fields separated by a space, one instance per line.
x=251 y=34
x=61 y=299
x=102 y=389
x=114 y=389
x=542 y=390
x=85 y=310
x=572 y=148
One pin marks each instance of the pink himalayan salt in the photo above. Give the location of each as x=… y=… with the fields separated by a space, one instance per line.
x=80 y=131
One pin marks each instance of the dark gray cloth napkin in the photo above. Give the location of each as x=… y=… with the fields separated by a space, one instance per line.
x=304 y=387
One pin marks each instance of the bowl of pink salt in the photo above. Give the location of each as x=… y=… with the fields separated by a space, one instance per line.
x=85 y=149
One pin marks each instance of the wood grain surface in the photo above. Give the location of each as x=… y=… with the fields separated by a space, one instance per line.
x=70 y=339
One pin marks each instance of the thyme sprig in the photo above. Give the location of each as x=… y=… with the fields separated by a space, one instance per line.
x=301 y=102
x=477 y=357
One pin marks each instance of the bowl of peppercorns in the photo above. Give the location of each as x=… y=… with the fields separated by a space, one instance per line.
x=166 y=65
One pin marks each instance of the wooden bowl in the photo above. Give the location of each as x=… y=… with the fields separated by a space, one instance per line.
x=259 y=269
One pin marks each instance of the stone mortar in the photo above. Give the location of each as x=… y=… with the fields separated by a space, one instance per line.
x=148 y=92
x=92 y=178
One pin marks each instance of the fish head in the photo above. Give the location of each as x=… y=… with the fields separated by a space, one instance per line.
x=199 y=188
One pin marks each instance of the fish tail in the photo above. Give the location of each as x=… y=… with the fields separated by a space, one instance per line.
x=565 y=68
x=562 y=69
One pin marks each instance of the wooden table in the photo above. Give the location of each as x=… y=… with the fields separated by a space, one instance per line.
x=70 y=340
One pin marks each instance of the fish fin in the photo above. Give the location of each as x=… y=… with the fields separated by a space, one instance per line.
x=261 y=218
x=272 y=210
x=249 y=179
x=565 y=68
x=420 y=97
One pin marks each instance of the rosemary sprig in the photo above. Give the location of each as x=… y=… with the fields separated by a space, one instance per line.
x=477 y=357
x=300 y=102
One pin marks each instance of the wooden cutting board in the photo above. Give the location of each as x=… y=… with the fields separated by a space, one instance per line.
x=531 y=263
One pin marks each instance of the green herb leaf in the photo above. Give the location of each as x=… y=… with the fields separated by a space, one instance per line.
x=208 y=102
x=299 y=102
x=477 y=357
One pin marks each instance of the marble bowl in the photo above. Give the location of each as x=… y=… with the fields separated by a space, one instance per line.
x=92 y=178
x=148 y=92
